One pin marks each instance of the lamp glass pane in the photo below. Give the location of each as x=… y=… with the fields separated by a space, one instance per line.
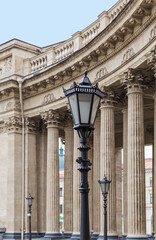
x=74 y=107
x=94 y=108
x=103 y=187
x=29 y=201
x=85 y=105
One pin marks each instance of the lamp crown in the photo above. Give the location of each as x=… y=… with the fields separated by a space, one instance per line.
x=85 y=80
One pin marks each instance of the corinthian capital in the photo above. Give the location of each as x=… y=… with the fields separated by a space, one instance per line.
x=133 y=80
x=152 y=61
x=51 y=118
x=30 y=125
x=110 y=99
x=13 y=124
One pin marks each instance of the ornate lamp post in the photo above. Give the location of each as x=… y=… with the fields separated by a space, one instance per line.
x=104 y=184
x=29 y=202
x=84 y=100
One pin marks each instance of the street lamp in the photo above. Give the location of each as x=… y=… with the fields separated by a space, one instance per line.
x=29 y=202
x=84 y=100
x=105 y=184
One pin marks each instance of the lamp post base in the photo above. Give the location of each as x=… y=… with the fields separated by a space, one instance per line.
x=75 y=236
x=67 y=235
x=109 y=237
x=52 y=236
x=95 y=236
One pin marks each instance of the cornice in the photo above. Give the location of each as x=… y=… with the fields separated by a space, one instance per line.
x=106 y=58
x=92 y=43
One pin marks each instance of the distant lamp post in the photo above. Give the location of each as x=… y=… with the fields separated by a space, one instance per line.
x=84 y=100
x=105 y=184
x=29 y=202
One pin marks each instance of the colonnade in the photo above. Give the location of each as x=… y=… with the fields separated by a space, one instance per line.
x=42 y=168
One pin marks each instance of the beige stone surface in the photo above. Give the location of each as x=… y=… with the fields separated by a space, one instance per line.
x=107 y=163
x=76 y=185
x=41 y=178
x=120 y=39
x=96 y=176
x=136 y=163
x=68 y=179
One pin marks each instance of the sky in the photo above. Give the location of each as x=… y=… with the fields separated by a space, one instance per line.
x=45 y=22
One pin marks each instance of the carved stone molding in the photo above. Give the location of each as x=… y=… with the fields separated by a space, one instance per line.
x=134 y=81
x=128 y=54
x=101 y=73
x=152 y=33
x=110 y=99
x=51 y=118
x=30 y=125
x=152 y=60
x=12 y=105
x=13 y=124
x=48 y=98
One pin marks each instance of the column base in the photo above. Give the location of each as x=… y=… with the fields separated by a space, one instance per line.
x=33 y=235
x=52 y=236
x=109 y=237
x=12 y=236
x=67 y=235
x=136 y=237
x=95 y=236
x=75 y=236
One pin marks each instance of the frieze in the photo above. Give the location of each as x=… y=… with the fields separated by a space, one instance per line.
x=152 y=33
x=5 y=65
x=101 y=73
x=128 y=54
x=48 y=98
x=12 y=105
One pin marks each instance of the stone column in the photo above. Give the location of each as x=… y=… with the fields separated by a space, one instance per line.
x=107 y=165
x=96 y=177
x=90 y=181
x=14 y=178
x=136 y=164
x=68 y=180
x=52 y=208
x=76 y=193
x=41 y=179
x=30 y=174
x=125 y=131
x=118 y=158
x=154 y=167
x=152 y=62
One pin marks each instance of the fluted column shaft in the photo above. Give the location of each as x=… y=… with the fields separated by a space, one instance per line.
x=52 y=213
x=154 y=167
x=107 y=163
x=41 y=178
x=68 y=179
x=76 y=185
x=14 y=177
x=96 y=177
x=125 y=131
x=118 y=191
x=30 y=172
x=51 y=118
x=136 y=164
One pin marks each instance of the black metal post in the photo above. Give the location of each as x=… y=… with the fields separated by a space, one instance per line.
x=29 y=222
x=105 y=216
x=84 y=186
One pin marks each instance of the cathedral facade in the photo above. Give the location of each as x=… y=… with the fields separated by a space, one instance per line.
x=119 y=52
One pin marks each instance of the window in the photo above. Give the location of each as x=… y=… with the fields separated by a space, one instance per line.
x=61 y=192
x=150 y=197
x=150 y=181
